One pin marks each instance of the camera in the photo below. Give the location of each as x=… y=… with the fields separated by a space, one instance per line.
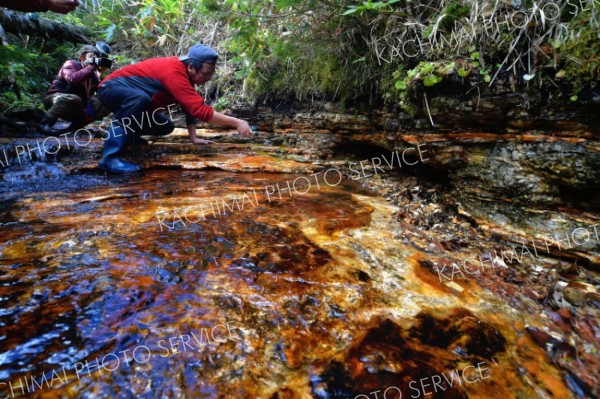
x=101 y=51
x=102 y=62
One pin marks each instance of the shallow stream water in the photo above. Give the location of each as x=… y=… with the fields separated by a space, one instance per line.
x=109 y=288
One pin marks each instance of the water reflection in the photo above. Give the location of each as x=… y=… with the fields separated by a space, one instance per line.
x=87 y=272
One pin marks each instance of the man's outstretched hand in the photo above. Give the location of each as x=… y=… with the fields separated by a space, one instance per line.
x=62 y=6
x=244 y=128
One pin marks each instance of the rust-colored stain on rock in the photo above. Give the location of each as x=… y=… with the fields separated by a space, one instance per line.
x=323 y=294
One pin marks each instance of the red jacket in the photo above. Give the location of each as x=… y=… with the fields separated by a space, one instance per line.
x=74 y=78
x=25 y=5
x=166 y=81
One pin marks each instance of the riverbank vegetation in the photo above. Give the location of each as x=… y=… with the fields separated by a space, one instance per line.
x=368 y=53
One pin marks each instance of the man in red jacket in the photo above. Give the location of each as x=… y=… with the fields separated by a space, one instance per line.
x=137 y=92
x=71 y=95
x=59 y=6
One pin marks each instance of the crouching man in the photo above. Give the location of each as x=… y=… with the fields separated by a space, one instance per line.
x=136 y=91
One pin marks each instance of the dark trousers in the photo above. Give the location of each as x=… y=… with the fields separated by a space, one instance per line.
x=133 y=117
x=65 y=106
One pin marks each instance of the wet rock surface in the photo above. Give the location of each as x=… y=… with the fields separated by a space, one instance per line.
x=395 y=279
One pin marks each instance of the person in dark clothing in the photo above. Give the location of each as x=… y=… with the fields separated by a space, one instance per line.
x=59 y=6
x=71 y=95
x=136 y=94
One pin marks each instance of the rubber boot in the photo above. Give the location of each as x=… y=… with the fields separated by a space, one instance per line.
x=113 y=146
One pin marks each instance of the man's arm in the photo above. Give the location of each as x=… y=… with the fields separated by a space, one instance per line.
x=25 y=5
x=59 y=6
x=192 y=103
x=221 y=119
x=70 y=73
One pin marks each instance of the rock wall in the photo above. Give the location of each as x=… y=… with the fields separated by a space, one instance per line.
x=512 y=163
x=450 y=105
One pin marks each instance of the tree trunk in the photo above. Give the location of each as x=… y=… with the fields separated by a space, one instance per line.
x=20 y=23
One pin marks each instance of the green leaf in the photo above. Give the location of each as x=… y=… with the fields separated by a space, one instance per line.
x=427 y=31
x=427 y=68
x=487 y=78
x=475 y=55
x=463 y=73
x=574 y=98
x=350 y=11
x=431 y=80
x=361 y=59
x=400 y=85
x=110 y=31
